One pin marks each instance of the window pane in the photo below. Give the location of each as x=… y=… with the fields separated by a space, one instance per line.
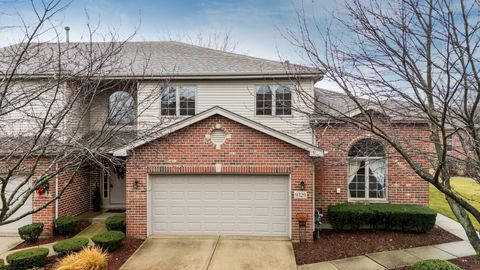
x=263 y=100
x=168 y=104
x=187 y=100
x=121 y=108
x=357 y=185
x=283 y=101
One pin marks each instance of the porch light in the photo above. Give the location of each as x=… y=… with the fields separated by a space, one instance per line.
x=302 y=185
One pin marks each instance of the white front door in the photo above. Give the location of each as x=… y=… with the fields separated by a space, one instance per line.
x=256 y=205
x=117 y=189
x=12 y=228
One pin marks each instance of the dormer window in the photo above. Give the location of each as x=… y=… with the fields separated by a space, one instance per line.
x=277 y=102
x=121 y=109
x=178 y=100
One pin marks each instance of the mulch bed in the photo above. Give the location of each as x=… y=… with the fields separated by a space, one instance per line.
x=42 y=241
x=116 y=258
x=466 y=263
x=342 y=244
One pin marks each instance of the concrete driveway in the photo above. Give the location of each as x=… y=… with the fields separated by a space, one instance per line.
x=213 y=253
x=8 y=242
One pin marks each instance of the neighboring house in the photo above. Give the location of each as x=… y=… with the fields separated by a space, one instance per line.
x=236 y=156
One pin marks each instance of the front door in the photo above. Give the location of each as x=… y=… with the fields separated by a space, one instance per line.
x=117 y=189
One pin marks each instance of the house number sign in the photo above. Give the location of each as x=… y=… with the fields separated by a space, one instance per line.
x=297 y=194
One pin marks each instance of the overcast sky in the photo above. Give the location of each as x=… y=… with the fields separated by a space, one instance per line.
x=253 y=24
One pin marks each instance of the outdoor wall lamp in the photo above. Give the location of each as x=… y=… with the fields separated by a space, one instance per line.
x=302 y=185
x=135 y=184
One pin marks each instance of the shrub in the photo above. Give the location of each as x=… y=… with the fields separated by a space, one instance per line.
x=65 y=225
x=2 y=264
x=70 y=245
x=115 y=223
x=110 y=240
x=31 y=232
x=92 y=258
x=401 y=217
x=435 y=265
x=29 y=258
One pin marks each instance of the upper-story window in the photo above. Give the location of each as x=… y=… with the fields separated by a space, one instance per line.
x=264 y=100
x=187 y=100
x=169 y=101
x=450 y=143
x=121 y=109
x=278 y=102
x=178 y=100
x=283 y=101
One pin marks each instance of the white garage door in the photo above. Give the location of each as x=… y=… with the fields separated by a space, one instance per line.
x=220 y=205
x=12 y=228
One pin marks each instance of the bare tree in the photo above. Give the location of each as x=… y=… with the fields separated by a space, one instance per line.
x=407 y=59
x=48 y=95
x=213 y=40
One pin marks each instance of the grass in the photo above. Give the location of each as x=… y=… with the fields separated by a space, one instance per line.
x=465 y=186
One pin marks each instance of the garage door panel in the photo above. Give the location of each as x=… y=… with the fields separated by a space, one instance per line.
x=220 y=204
x=12 y=228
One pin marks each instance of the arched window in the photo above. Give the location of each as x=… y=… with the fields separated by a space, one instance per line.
x=121 y=109
x=367 y=167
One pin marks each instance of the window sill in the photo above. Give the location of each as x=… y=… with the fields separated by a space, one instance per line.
x=368 y=200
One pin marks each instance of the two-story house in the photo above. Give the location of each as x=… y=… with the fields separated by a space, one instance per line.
x=232 y=154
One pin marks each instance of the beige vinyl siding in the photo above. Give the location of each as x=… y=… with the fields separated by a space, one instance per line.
x=237 y=96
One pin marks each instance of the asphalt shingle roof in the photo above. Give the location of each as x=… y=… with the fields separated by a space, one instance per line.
x=147 y=58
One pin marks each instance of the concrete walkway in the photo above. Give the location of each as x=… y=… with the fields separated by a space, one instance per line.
x=88 y=232
x=404 y=257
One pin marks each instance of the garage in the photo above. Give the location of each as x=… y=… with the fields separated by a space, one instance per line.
x=254 y=205
x=12 y=228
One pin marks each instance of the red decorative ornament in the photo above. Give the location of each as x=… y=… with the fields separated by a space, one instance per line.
x=40 y=192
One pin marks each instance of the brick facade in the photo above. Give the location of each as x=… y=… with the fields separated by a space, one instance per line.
x=404 y=186
x=245 y=151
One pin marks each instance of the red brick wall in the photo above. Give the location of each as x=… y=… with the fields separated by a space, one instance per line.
x=77 y=196
x=247 y=151
x=404 y=186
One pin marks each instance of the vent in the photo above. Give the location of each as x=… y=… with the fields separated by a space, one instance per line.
x=218 y=137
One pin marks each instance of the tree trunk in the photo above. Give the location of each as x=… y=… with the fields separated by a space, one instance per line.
x=466 y=223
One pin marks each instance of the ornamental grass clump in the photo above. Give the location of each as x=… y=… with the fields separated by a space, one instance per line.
x=91 y=258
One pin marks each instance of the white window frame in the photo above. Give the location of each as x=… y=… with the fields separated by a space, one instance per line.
x=177 y=100
x=367 y=180
x=449 y=143
x=273 y=88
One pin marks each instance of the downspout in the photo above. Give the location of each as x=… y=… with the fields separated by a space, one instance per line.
x=56 y=191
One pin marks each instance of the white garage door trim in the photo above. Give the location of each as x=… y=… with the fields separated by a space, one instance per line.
x=149 y=198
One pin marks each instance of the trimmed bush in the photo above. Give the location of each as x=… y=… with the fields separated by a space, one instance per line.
x=109 y=241
x=435 y=265
x=31 y=232
x=89 y=258
x=65 y=225
x=70 y=245
x=115 y=223
x=2 y=264
x=29 y=258
x=394 y=217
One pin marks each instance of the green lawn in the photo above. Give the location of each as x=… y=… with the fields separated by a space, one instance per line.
x=465 y=186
